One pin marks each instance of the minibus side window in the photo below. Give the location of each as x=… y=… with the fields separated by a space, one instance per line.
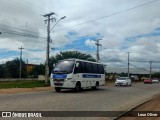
x=78 y=67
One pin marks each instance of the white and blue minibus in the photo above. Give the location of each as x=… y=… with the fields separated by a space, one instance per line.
x=77 y=74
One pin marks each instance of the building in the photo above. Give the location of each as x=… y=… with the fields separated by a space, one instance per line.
x=125 y=70
x=30 y=67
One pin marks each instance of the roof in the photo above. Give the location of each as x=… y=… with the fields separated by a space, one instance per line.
x=125 y=70
x=31 y=64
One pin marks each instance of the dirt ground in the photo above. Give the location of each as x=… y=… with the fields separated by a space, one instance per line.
x=23 y=90
x=152 y=106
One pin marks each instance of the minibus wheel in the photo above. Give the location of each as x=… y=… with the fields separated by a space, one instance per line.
x=97 y=85
x=58 y=89
x=77 y=87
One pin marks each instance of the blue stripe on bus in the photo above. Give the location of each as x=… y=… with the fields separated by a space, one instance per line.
x=91 y=76
x=61 y=76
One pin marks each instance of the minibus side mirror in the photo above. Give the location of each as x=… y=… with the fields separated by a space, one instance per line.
x=77 y=64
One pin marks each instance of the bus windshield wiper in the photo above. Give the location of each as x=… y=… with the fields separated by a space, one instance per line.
x=63 y=72
x=55 y=71
x=59 y=72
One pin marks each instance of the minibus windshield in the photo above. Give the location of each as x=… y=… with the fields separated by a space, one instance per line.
x=63 y=67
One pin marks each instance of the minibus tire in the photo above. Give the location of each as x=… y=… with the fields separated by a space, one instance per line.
x=97 y=86
x=58 y=89
x=126 y=84
x=77 y=87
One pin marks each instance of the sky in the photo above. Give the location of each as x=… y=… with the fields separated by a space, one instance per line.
x=123 y=25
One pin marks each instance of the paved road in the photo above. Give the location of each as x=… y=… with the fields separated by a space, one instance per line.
x=107 y=98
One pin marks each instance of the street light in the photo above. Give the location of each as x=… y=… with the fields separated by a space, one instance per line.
x=48 y=44
x=58 y=22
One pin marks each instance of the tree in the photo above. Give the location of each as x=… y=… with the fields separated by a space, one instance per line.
x=2 y=71
x=156 y=75
x=38 y=70
x=69 y=54
x=12 y=68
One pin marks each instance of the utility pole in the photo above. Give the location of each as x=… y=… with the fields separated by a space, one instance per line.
x=128 y=62
x=20 y=67
x=150 y=70
x=27 y=68
x=98 y=44
x=48 y=16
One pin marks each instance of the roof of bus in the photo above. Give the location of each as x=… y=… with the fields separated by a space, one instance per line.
x=81 y=60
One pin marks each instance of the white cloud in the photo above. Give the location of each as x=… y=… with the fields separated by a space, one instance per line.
x=3 y=60
x=27 y=15
x=90 y=43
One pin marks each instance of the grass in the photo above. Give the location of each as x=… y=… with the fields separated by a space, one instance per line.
x=22 y=84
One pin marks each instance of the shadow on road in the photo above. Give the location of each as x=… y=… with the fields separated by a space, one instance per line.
x=81 y=91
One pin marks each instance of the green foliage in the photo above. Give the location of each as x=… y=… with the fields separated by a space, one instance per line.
x=2 y=71
x=38 y=70
x=22 y=84
x=156 y=75
x=11 y=69
x=123 y=74
x=71 y=54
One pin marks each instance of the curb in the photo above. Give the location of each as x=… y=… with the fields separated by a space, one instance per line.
x=133 y=108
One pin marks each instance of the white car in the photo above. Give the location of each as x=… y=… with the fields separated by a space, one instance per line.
x=123 y=81
x=155 y=81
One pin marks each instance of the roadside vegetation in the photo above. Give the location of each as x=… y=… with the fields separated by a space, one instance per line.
x=10 y=69
x=22 y=84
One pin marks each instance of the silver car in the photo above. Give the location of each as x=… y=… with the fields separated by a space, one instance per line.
x=123 y=81
x=155 y=80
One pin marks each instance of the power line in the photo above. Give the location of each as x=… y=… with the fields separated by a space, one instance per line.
x=26 y=35
x=89 y=21
x=144 y=4
x=32 y=36
x=29 y=10
x=21 y=5
x=138 y=67
x=20 y=21
x=144 y=61
x=150 y=69
x=97 y=18
x=31 y=32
